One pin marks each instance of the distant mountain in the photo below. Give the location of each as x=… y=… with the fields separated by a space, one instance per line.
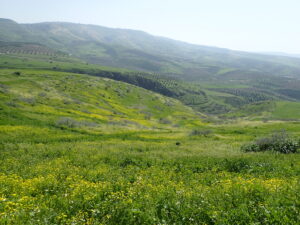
x=281 y=54
x=141 y=51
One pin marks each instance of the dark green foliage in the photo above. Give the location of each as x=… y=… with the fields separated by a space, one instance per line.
x=237 y=165
x=249 y=95
x=17 y=73
x=278 y=142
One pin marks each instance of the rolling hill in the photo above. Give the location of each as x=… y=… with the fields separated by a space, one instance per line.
x=141 y=51
x=222 y=98
x=211 y=80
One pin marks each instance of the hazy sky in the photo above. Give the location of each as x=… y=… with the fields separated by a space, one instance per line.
x=251 y=25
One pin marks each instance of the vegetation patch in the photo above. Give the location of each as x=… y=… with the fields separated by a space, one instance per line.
x=278 y=142
x=201 y=132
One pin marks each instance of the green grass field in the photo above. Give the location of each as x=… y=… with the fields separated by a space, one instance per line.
x=287 y=110
x=77 y=149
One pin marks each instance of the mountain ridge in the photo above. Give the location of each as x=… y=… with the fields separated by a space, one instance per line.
x=139 y=50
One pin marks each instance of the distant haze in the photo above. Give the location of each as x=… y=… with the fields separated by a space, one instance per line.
x=249 y=25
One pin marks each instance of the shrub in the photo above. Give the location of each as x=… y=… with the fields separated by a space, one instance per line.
x=204 y=133
x=164 y=121
x=278 y=142
x=17 y=73
x=42 y=94
x=71 y=123
x=88 y=124
x=12 y=104
x=236 y=165
x=30 y=100
x=67 y=122
x=3 y=88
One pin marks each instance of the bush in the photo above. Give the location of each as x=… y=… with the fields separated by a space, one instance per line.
x=67 y=122
x=71 y=123
x=42 y=94
x=164 y=121
x=30 y=100
x=278 y=142
x=204 y=133
x=17 y=73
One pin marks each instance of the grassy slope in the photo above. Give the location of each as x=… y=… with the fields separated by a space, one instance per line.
x=47 y=95
x=115 y=161
x=287 y=110
x=187 y=93
x=235 y=99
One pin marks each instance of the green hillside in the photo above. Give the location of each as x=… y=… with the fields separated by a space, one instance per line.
x=211 y=98
x=141 y=51
x=286 y=110
x=82 y=149
x=41 y=96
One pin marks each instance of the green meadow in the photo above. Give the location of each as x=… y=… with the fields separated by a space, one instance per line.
x=78 y=149
x=287 y=110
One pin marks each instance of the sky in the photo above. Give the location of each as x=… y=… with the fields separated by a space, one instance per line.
x=248 y=25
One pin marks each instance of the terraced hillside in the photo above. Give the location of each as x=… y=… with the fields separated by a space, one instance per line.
x=27 y=48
